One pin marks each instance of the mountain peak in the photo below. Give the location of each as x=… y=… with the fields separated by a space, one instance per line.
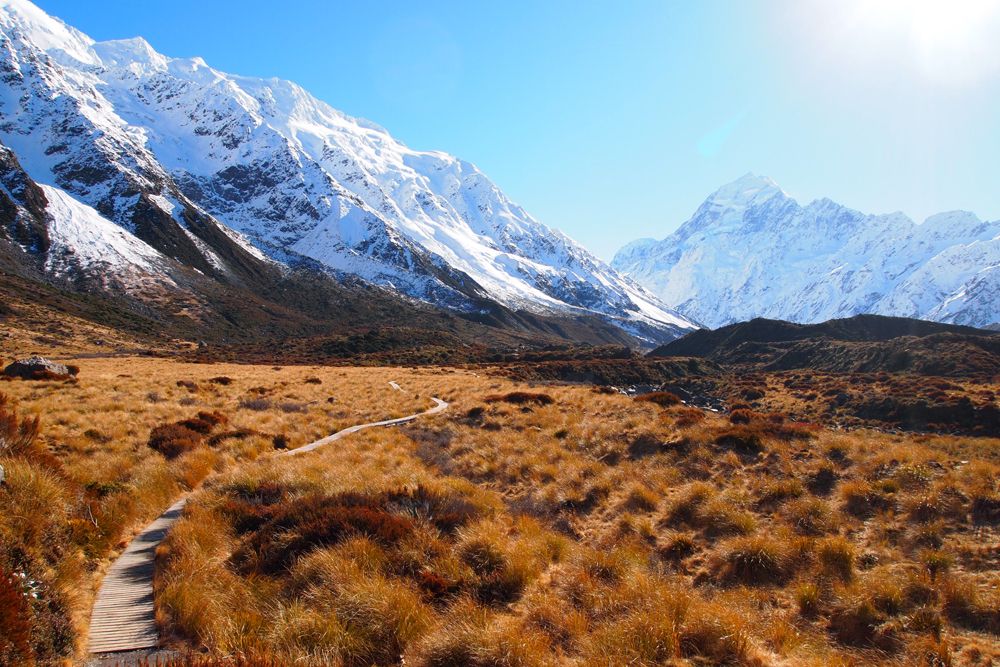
x=746 y=189
x=47 y=32
x=129 y=52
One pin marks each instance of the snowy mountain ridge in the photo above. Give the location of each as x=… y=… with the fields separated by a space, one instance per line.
x=203 y=165
x=751 y=250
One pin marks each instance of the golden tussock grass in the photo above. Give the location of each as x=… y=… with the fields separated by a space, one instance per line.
x=585 y=528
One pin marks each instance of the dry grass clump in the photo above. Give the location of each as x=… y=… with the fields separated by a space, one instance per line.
x=756 y=560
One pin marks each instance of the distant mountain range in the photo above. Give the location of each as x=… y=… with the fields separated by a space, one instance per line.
x=751 y=251
x=130 y=171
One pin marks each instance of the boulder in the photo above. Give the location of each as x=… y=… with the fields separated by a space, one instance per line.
x=37 y=368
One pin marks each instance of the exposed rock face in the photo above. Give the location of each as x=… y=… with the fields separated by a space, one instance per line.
x=37 y=368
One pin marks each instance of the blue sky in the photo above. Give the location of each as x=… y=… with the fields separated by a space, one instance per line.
x=614 y=120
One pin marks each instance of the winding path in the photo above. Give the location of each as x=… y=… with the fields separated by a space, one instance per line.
x=123 y=618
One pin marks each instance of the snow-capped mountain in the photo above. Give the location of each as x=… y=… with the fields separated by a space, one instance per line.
x=219 y=172
x=750 y=251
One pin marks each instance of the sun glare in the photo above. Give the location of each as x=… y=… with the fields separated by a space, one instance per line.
x=947 y=42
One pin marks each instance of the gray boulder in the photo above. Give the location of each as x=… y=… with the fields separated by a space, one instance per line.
x=36 y=368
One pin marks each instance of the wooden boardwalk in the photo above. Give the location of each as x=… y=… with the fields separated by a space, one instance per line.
x=124 y=618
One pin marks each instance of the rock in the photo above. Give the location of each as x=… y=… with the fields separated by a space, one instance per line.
x=37 y=368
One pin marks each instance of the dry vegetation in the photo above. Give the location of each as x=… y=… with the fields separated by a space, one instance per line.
x=564 y=525
x=90 y=460
x=527 y=525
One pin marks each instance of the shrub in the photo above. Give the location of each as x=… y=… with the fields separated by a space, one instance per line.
x=18 y=437
x=189 y=385
x=172 y=440
x=221 y=380
x=255 y=404
x=740 y=416
x=936 y=562
x=662 y=398
x=15 y=621
x=280 y=530
x=520 y=398
x=312 y=380
x=742 y=440
x=686 y=417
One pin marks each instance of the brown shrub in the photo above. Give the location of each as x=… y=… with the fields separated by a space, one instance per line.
x=189 y=385
x=281 y=531
x=741 y=416
x=686 y=417
x=662 y=398
x=15 y=621
x=255 y=404
x=742 y=440
x=18 y=437
x=312 y=380
x=172 y=440
x=221 y=380
x=520 y=398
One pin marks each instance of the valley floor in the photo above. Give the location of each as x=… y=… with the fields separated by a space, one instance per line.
x=526 y=525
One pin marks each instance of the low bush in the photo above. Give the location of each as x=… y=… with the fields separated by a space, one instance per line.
x=742 y=440
x=279 y=532
x=662 y=398
x=520 y=398
x=18 y=436
x=180 y=437
x=172 y=440
x=255 y=404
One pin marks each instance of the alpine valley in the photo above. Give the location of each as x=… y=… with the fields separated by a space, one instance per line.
x=750 y=250
x=217 y=201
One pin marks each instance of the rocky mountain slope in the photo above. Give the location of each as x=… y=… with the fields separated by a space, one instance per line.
x=750 y=250
x=228 y=175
